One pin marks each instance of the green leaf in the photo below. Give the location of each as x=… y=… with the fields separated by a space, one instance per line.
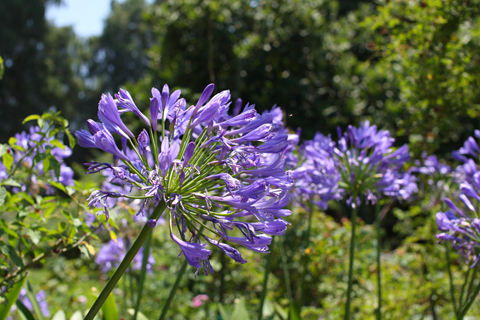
x=240 y=311
x=7 y=160
x=33 y=300
x=58 y=185
x=60 y=315
x=35 y=236
x=46 y=164
x=76 y=316
x=109 y=309
x=10 y=182
x=13 y=255
x=23 y=311
x=222 y=312
x=71 y=139
x=12 y=141
x=140 y=316
x=294 y=311
x=3 y=149
x=58 y=144
x=11 y=296
x=3 y=195
x=31 y=117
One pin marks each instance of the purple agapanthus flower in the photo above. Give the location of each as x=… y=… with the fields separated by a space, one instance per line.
x=206 y=166
x=112 y=253
x=26 y=147
x=362 y=162
x=41 y=300
x=460 y=224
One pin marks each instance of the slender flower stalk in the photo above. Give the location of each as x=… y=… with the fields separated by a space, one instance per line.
x=143 y=235
x=350 y=262
x=173 y=290
x=379 y=275
x=266 y=274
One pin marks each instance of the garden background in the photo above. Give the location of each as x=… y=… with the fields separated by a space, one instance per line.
x=410 y=67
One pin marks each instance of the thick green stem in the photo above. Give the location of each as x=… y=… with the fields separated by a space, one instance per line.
x=146 y=254
x=306 y=255
x=143 y=235
x=450 y=277
x=173 y=290
x=352 y=256
x=268 y=262
x=379 y=252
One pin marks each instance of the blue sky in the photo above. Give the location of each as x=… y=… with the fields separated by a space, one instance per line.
x=86 y=16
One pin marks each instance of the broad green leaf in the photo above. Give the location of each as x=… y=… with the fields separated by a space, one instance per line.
x=25 y=314
x=12 y=253
x=140 y=316
x=222 y=311
x=294 y=311
x=58 y=144
x=3 y=195
x=46 y=164
x=33 y=300
x=109 y=308
x=12 y=297
x=3 y=149
x=240 y=311
x=31 y=117
x=77 y=316
x=34 y=235
x=7 y=160
x=58 y=185
x=60 y=315
x=12 y=141
x=10 y=182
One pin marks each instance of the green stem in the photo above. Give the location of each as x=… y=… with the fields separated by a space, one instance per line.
x=379 y=277
x=465 y=309
x=463 y=289
x=132 y=295
x=146 y=254
x=173 y=290
x=268 y=262
x=306 y=256
x=352 y=256
x=286 y=274
x=449 y=268
x=143 y=235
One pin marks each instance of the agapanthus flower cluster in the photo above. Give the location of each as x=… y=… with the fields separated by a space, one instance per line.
x=362 y=162
x=218 y=175
x=41 y=300
x=435 y=176
x=26 y=147
x=460 y=225
x=317 y=178
x=112 y=253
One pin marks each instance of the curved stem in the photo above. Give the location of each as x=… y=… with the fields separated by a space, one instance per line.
x=306 y=256
x=268 y=262
x=379 y=277
x=173 y=290
x=450 y=277
x=352 y=256
x=146 y=254
x=142 y=236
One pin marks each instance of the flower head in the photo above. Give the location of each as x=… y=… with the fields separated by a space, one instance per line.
x=204 y=165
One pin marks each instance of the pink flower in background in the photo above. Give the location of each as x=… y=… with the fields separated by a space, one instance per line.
x=198 y=300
